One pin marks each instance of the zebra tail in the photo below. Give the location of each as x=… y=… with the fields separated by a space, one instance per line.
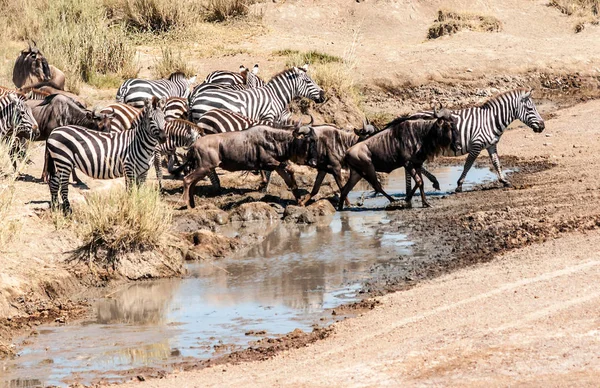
x=192 y=161
x=49 y=162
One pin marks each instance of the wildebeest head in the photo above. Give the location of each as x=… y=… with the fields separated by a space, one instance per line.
x=305 y=86
x=447 y=131
x=31 y=63
x=367 y=130
x=100 y=121
x=306 y=144
x=528 y=114
x=155 y=118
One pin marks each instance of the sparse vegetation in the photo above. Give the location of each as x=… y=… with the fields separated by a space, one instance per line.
x=10 y=226
x=223 y=10
x=170 y=63
x=587 y=11
x=120 y=221
x=450 y=22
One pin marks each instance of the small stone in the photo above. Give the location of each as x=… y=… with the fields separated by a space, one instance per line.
x=548 y=135
x=141 y=378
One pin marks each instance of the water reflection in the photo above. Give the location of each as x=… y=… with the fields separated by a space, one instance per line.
x=281 y=284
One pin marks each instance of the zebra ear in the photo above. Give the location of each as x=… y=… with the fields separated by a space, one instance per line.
x=305 y=67
x=13 y=97
x=526 y=95
x=255 y=69
x=192 y=80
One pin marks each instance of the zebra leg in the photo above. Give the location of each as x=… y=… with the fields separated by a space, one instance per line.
x=468 y=164
x=431 y=177
x=493 y=151
x=214 y=179
x=158 y=168
x=352 y=181
x=63 y=184
x=408 y=186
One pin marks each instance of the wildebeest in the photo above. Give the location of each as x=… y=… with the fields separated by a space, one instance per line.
x=403 y=143
x=332 y=144
x=37 y=89
x=258 y=148
x=31 y=67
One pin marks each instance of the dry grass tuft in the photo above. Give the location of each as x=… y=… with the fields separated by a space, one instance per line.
x=224 y=10
x=156 y=16
x=120 y=221
x=450 y=22
x=170 y=63
x=9 y=226
x=587 y=11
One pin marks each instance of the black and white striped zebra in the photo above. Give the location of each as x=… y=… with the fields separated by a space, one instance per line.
x=135 y=91
x=103 y=155
x=179 y=133
x=264 y=103
x=16 y=118
x=176 y=108
x=243 y=77
x=222 y=120
x=482 y=126
x=124 y=116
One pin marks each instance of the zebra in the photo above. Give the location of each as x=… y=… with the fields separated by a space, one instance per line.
x=176 y=108
x=16 y=118
x=103 y=155
x=179 y=133
x=222 y=120
x=482 y=126
x=135 y=91
x=263 y=103
x=124 y=116
x=243 y=77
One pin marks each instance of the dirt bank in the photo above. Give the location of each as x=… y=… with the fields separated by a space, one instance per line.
x=526 y=316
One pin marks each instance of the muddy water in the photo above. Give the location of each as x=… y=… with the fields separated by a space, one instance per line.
x=288 y=281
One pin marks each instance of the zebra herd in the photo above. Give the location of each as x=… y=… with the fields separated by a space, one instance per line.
x=150 y=119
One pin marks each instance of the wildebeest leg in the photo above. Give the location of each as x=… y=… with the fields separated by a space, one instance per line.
x=337 y=175
x=370 y=175
x=493 y=151
x=266 y=179
x=431 y=177
x=473 y=154
x=354 y=178
x=76 y=179
x=189 y=183
x=315 y=190
x=288 y=176
x=419 y=183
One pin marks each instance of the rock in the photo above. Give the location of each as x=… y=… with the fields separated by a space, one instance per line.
x=299 y=215
x=205 y=244
x=254 y=211
x=322 y=208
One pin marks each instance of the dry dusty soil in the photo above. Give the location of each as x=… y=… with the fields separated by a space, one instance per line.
x=509 y=292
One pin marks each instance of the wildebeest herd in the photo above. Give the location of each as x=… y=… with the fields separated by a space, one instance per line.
x=237 y=122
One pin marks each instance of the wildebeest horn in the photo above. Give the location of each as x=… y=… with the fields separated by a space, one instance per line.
x=29 y=44
x=312 y=120
x=365 y=123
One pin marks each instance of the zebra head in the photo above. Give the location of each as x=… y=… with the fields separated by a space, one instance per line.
x=305 y=86
x=154 y=118
x=252 y=80
x=528 y=113
x=180 y=79
x=22 y=121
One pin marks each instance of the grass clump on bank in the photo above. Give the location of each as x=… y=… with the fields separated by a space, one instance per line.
x=119 y=221
x=587 y=11
x=450 y=22
x=170 y=63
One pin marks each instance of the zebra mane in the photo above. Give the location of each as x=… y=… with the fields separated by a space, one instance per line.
x=488 y=103
x=176 y=75
x=284 y=71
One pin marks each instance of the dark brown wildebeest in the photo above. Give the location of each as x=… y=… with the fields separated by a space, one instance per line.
x=258 y=148
x=403 y=143
x=332 y=144
x=31 y=67
x=43 y=87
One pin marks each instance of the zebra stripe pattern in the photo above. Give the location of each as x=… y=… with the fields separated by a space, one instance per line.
x=481 y=127
x=244 y=77
x=264 y=103
x=221 y=121
x=16 y=118
x=176 y=108
x=135 y=91
x=104 y=155
x=180 y=133
x=124 y=116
